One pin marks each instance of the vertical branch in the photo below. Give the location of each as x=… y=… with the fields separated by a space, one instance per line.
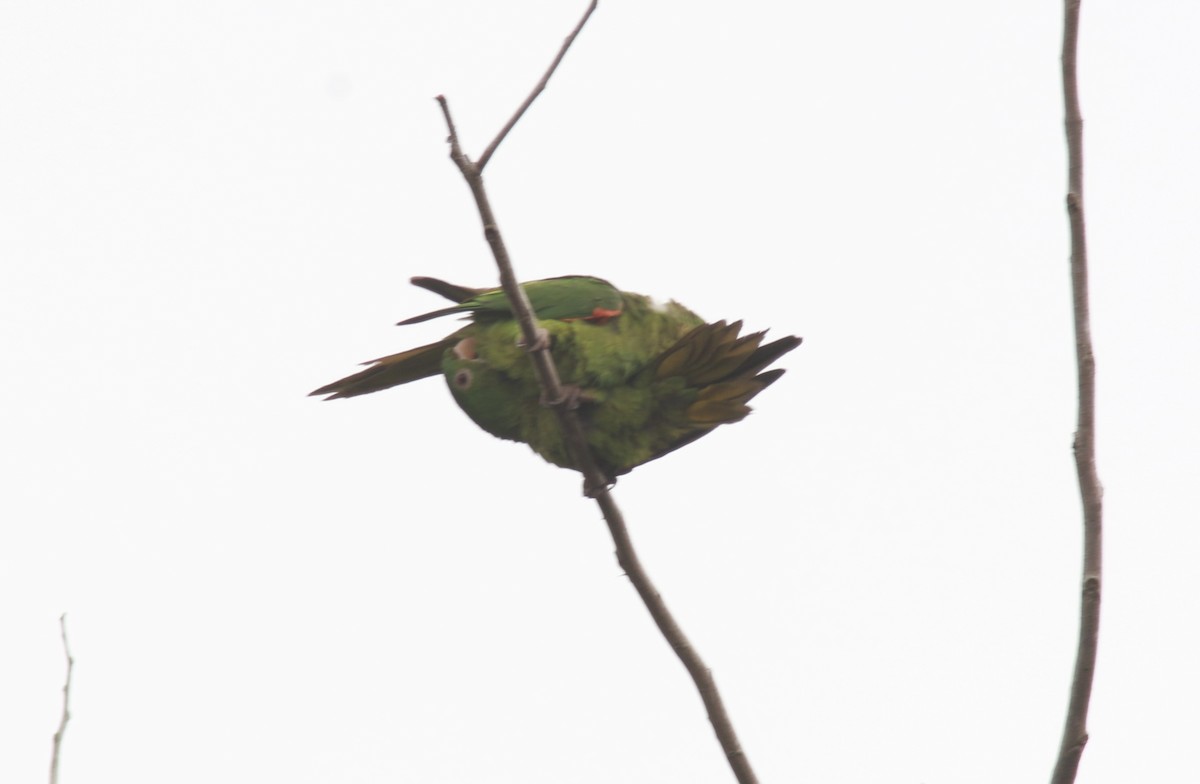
x=66 y=710
x=1075 y=730
x=595 y=481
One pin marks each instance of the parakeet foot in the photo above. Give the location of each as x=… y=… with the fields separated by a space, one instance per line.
x=541 y=343
x=572 y=396
x=591 y=490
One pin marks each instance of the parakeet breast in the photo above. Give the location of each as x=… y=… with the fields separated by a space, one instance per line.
x=493 y=381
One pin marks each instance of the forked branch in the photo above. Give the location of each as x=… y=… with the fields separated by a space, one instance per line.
x=1075 y=730
x=595 y=481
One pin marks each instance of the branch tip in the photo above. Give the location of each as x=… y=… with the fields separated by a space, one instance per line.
x=66 y=703
x=537 y=90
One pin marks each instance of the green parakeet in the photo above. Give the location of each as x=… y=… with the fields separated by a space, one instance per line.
x=648 y=377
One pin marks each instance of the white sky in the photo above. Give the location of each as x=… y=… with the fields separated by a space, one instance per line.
x=208 y=209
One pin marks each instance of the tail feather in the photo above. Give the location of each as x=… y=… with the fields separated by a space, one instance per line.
x=763 y=356
x=713 y=353
x=390 y=371
x=726 y=371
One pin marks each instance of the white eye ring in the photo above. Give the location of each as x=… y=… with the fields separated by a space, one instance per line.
x=462 y=379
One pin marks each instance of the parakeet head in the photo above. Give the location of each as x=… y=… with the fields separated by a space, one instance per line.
x=491 y=399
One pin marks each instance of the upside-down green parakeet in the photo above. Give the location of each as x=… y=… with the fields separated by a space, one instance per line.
x=648 y=377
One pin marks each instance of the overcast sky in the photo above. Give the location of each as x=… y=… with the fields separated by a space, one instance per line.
x=209 y=209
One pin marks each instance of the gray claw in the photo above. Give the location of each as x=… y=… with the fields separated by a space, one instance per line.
x=541 y=343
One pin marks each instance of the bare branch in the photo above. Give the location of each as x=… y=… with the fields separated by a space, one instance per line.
x=1075 y=735
x=701 y=674
x=595 y=481
x=66 y=710
x=537 y=90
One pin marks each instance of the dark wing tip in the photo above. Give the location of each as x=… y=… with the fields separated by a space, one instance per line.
x=450 y=291
x=430 y=315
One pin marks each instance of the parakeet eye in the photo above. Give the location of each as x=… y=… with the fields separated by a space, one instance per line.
x=463 y=379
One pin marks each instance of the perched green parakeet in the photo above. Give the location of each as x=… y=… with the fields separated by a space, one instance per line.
x=648 y=377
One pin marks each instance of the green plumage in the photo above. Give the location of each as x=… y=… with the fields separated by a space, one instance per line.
x=649 y=378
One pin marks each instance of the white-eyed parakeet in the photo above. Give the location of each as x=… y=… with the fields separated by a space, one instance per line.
x=648 y=377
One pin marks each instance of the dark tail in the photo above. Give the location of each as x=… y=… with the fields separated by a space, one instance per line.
x=390 y=371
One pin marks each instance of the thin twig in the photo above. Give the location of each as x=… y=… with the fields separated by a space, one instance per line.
x=537 y=90
x=595 y=481
x=66 y=710
x=701 y=675
x=1075 y=734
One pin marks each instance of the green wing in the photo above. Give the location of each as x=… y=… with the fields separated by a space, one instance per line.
x=565 y=298
x=555 y=299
